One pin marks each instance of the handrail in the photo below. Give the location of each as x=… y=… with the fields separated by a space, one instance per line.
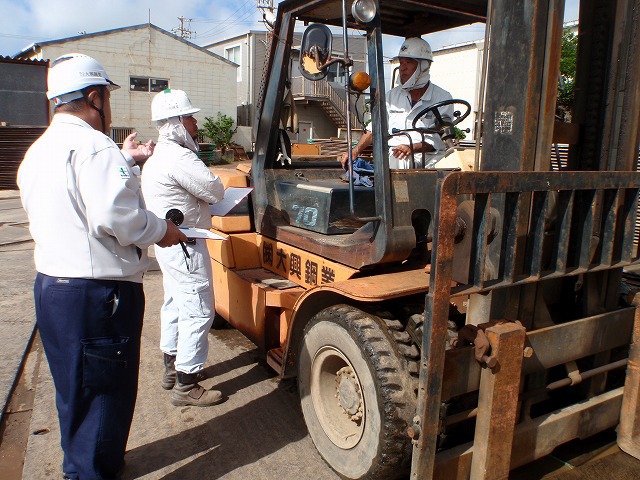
x=301 y=87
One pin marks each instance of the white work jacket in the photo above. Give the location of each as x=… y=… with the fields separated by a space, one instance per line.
x=85 y=207
x=401 y=114
x=174 y=177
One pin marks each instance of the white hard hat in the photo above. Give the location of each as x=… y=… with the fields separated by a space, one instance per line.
x=171 y=103
x=71 y=73
x=416 y=48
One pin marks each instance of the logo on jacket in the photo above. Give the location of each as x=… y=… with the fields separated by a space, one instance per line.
x=124 y=173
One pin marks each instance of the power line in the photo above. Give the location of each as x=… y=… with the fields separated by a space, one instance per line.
x=181 y=31
x=218 y=32
x=234 y=21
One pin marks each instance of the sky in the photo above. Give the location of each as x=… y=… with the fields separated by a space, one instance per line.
x=24 y=22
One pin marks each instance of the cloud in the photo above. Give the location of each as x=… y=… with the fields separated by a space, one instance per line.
x=29 y=21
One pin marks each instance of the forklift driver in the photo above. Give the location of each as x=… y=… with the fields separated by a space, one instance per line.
x=404 y=101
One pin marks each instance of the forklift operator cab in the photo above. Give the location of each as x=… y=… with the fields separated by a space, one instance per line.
x=421 y=115
x=314 y=197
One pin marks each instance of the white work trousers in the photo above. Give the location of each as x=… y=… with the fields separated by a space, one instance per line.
x=188 y=309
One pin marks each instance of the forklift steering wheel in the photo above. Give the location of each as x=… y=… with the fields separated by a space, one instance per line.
x=441 y=122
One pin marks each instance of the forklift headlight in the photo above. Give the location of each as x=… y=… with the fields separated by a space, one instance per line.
x=360 y=81
x=364 y=11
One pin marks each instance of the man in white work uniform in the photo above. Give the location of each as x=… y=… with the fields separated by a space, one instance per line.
x=414 y=93
x=174 y=178
x=91 y=233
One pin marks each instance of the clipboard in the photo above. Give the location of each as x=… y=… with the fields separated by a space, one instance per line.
x=200 y=233
x=232 y=197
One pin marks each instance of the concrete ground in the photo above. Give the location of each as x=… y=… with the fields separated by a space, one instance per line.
x=17 y=318
x=257 y=433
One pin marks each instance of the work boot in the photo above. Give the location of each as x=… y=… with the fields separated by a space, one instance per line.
x=169 y=377
x=187 y=391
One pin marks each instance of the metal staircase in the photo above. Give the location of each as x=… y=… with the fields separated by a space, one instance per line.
x=326 y=97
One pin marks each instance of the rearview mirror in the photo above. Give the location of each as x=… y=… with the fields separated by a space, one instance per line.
x=315 y=52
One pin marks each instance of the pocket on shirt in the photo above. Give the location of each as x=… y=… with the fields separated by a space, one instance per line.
x=105 y=361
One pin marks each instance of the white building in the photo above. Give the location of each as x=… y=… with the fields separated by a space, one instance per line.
x=320 y=105
x=458 y=69
x=143 y=60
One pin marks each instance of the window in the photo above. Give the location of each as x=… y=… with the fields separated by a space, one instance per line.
x=233 y=55
x=145 y=84
x=158 y=85
x=137 y=84
x=336 y=73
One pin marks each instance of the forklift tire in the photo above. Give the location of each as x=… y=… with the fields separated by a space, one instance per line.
x=355 y=394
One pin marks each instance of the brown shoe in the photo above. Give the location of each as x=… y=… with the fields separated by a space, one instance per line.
x=187 y=391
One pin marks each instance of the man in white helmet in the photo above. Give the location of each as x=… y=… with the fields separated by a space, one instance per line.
x=91 y=233
x=414 y=93
x=174 y=178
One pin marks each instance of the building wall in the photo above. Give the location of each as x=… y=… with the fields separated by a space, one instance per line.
x=254 y=46
x=458 y=70
x=321 y=125
x=209 y=81
x=253 y=55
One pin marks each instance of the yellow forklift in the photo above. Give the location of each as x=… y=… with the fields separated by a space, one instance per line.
x=447 y=323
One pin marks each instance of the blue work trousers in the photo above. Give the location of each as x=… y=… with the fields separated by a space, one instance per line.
x=90 y=331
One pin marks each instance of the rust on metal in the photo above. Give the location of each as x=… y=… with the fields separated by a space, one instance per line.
x=570 y=254
x=498 y=404
x=629 y=429
x=435 y=331
x=536 y=438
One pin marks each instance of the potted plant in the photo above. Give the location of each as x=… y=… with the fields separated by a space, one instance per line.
x=220 y=130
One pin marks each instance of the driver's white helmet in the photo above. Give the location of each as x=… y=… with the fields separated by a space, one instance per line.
x=72 y=72
x=171 y=103
x=416 y=48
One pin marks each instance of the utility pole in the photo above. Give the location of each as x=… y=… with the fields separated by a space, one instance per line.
x=266 y=8
x=182 y=31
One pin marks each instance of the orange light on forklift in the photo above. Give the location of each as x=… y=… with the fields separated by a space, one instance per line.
x=360 y=81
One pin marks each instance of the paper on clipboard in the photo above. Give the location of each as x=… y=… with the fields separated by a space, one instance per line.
x=232 y=197
x=200 y=233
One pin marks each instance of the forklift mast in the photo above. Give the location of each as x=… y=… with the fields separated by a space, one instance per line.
x=571 y=230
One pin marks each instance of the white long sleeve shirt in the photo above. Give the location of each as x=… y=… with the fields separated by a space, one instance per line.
x=401 y=114
x=85 y=208
x=174 y=177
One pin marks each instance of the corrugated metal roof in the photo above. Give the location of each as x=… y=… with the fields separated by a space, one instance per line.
x=14 y=143
x=23 y=60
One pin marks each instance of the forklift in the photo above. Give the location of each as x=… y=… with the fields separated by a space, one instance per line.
x=449 y=322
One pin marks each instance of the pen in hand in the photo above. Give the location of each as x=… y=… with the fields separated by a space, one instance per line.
x=176 y=217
